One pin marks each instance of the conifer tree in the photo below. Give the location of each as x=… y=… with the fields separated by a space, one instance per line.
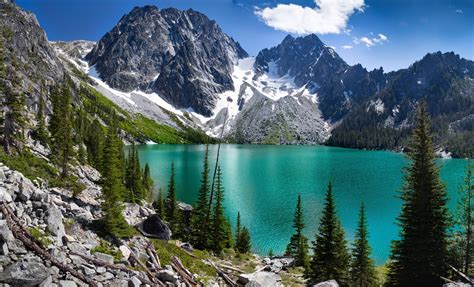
x=94 y=142
x=237 y=230
x=362 y=267
x=298 y=246
x=244 y=245
x=147 y=183
x=330 y=259
x=159 y=205
x=41 y=133
x=465 y=240
x=133 y=177
x=172 y=212
x=219 y=239
x=112 y=187
x=200 y=224
x=419 y=257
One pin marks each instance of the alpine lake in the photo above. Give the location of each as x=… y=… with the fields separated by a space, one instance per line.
x=262 y=182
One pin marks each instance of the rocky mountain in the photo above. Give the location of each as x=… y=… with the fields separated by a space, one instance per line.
x=181 y=55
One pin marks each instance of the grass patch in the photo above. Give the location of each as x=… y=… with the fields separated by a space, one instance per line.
x=40 y=235
x=106 y=248
x=30 y=166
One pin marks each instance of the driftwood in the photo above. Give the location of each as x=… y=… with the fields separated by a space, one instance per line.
x=464 y=276
x=223 y=275
x=154 y=259
x=231 y=268
x=20 y=232
x=187 y=277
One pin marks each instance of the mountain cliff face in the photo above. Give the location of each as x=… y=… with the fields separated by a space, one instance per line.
x=181 y=55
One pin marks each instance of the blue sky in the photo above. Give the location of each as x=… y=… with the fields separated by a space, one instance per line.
x=376 y=33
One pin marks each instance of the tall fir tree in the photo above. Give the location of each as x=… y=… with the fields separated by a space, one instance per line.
x=244 y=244
x=219 y=228
x=298 y=246
x=95 y=140
x=419 y=257
x=237 y=229
x=113 y=187
x=465 y=222
x=134 y=177
x=331 y=259
x=159 y=205
x=148 y=184
x=200 y=221
x=41 y=132
x=362 y=267
x=172 y=213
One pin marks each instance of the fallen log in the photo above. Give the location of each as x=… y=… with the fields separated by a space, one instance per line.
x=20 y=232
x=464 y=276
x=223 y=275
x=231 y=268
x=187 y=276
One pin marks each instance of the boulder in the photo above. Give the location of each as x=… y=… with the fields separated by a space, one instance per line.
x=330 y=283
x=134 y=282
x=167 y=276
x=153 y=226
x=125 y=251
x=27 y=189
x=187 y=246
x=5 y=196
x=54 y=221
x=260 y=279
x=109 y=259
x=24 y=274
x=67 y=283
x=5 y=232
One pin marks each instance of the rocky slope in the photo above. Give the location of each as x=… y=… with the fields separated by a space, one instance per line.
x=182 y=55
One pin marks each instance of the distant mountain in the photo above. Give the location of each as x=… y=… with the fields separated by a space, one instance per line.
x=181 y=55
x=298 y=92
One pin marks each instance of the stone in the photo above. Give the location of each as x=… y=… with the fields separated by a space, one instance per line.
x=187 y=246
x=54 y=221
x=67 y=283
x=167 y=276
x=5 y=232
x=47 y=282
x=153 y=226
x=4 y=249
x=24 y=273
x=88 y=271
x=68 y=239
x=260 y=279
x=109 y=259
x=330 y=283
x=26 y=190
x=125 y=251
x=134 y=282
x=5 y=196
x=101 y=270
x=104 y=277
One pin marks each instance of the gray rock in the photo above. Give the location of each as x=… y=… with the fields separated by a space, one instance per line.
x=88 y=271
x=109 y=259
x=101 y=270
x=104 y=277
x=54 y=220
x=167 y=276
x=261 y=278
x=24 y=274
x=67 y=283
x=155 y=227
x=330 y=283
x=125 y=251
x=47 y=282
x=134 y=282
x=4 y=249
x=5 y=196
x=26 y=190
x=5 y=232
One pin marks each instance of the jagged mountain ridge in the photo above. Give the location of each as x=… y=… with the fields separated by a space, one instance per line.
x=182 y=55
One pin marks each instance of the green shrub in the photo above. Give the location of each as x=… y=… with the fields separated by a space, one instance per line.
x=106 y=248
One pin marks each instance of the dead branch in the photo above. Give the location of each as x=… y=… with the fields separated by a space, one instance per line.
x=223 y=275
x=187 y=276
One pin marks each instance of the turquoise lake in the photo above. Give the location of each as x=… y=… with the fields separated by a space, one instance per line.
x=262 y=182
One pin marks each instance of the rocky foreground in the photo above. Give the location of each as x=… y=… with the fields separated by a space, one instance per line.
x=50 y=238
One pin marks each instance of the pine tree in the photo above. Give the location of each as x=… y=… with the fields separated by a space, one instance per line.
x=159 y=205
x=330 y=259
x=244 y=244
x=219 y=239
x=419 y=257
x=237 y=230
x=200 y=224
x=94 y=141
x=465 y=241
x=298 y=246
x=147 y=183
x=362 y=269
x=112 y=187
x=41 y=133
x=172 y=212
x=134 y=177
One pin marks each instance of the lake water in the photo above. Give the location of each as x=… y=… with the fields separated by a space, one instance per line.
x=262 y=182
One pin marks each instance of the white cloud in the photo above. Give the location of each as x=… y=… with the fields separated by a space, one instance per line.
x=369 y=42
x=459 y=11
x=328 y=17
x=347 y=47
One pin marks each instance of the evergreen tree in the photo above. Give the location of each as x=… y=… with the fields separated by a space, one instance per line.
x=244 y=244
x=147 y=183
x=465 y=239
x=94 y=141
x=172 y=212
x=220 y=236
x=298 y=246
x=41 y=133
x=237 y=230
x=200 y=224
x=61 y=129
x=330 y=259
x=133 y=177
x=419 y=257
x=362 y=269
x=159 y=205
x=112 y=187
